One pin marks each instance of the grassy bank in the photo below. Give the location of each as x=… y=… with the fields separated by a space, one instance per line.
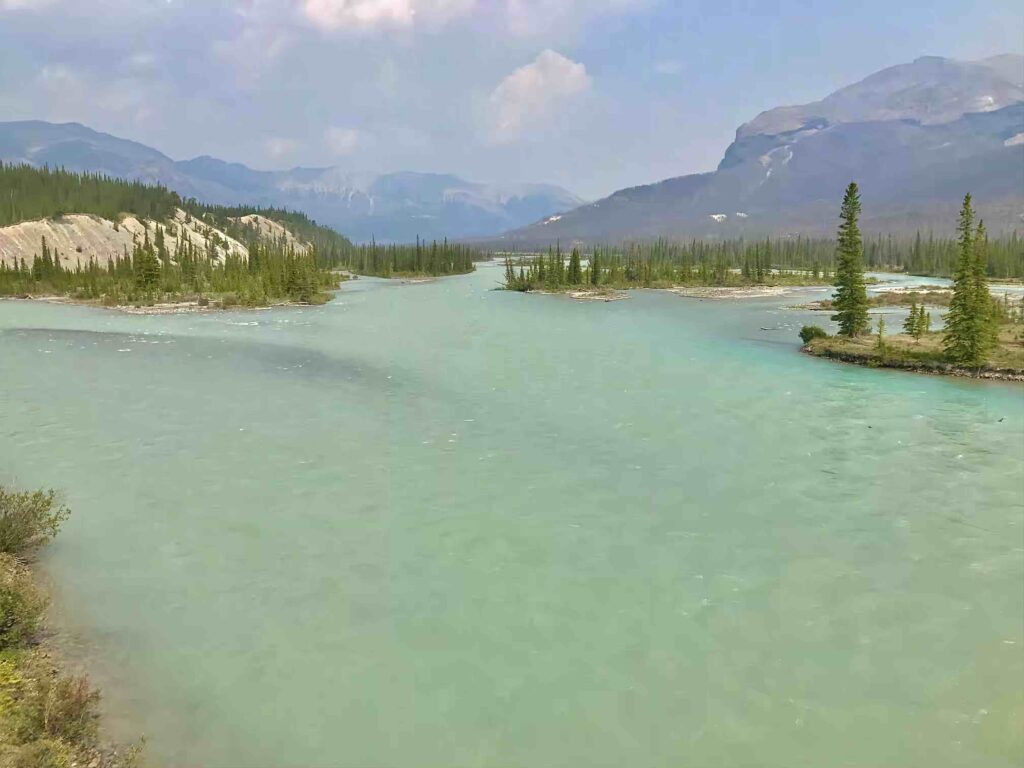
x=929 y=297
x=925 y=355
x=48 y=718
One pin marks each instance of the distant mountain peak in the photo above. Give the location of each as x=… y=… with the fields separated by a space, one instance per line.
x=930 y=90
x=395 y=206
x=916 y=136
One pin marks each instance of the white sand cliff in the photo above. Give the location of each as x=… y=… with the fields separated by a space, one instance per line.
x=79 y=238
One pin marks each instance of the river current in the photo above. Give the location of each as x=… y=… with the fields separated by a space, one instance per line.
x=441 y=525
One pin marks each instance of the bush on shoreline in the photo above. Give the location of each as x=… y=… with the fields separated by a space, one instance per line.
x=48 y=719
x=809 y=332
x=28 y=520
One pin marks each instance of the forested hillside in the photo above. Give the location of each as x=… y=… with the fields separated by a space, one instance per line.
x=115 y=241
x=28 y=194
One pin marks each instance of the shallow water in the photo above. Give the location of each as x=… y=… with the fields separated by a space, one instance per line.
x=435 y=525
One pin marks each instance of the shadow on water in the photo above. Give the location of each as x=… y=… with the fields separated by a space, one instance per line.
x=264 y=358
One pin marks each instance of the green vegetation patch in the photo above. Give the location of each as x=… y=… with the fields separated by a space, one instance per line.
x=48 y=719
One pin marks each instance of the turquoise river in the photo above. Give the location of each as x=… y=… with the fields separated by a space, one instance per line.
x=441 y=525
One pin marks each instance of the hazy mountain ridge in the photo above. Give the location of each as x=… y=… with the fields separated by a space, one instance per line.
x=929 y=90
x=396 y=206
x=916 y=137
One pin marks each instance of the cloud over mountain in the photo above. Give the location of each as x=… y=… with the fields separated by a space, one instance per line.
x=528 y=97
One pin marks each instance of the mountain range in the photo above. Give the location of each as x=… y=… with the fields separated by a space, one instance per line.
x=388 y=207
x=916 y=137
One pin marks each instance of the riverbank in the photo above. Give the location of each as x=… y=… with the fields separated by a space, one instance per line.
x=49 y=717
x=929 y=296
x=717 y=292
x=186 y=305
x=583 y=294
x=924 y=356
x=739 y=292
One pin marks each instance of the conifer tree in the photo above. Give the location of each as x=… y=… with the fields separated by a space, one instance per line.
x=910 y=325
x=575 y=271
x=921 y=323
x=970 y=325
x=985 y=306
x=851 y=298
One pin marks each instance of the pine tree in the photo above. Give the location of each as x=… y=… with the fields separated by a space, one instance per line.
x=851 y=298
x=985 y=306
x=969 y=322
x=146 y=267
x=575 y=270
x=922 y=322
x=910 y=325
x=881 y=335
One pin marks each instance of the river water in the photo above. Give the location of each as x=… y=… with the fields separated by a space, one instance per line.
x=440 y=525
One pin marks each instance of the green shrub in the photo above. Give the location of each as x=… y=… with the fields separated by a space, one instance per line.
x=810 y=332
x=21 y=603
x=69 y=709
x=28 y=520
x=35 y=754
x=45 y=714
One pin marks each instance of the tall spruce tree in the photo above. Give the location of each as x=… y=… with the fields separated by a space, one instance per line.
x=969 y=322
x=985 y=305
x=575 y=269
x=851 y=297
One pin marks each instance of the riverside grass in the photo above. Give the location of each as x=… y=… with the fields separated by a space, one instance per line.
x=48 y=718
x=925 y=355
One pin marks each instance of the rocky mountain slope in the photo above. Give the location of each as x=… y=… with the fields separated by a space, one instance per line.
x=79 y=238
x=389 y=207
x=916 y=137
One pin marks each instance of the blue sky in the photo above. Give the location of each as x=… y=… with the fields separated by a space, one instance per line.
x=590 y=94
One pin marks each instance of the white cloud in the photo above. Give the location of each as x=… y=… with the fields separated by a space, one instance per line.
x=24 y=5
x=57 y=77
x=279 y=147
x=529 y=96
x=333 y=15
x=263 y=37
x=532 y=17
x=521 y=17
x=342 y=141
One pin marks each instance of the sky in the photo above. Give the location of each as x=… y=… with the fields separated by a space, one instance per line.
x=593 y=95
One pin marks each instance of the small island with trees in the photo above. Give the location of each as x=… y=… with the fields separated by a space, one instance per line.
x=982 y=336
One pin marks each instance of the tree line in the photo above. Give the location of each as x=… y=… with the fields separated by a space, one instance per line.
x=738 y=262
x=664 y=263
x=419 y=259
